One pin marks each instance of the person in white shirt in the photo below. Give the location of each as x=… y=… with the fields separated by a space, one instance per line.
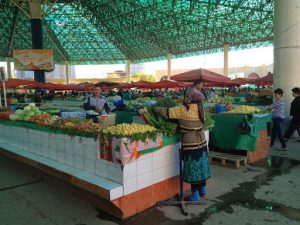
x=96 y=101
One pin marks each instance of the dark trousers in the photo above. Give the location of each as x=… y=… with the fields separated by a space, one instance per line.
x=294 y=125
x=277 y=129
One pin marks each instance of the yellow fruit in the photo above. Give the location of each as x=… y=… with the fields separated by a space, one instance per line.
x=245 y=110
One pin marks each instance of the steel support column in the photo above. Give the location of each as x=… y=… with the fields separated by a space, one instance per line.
x=37 y=34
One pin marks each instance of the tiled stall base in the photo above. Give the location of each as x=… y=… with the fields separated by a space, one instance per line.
x=81 y=154
x=151 y=168
x=114 y=190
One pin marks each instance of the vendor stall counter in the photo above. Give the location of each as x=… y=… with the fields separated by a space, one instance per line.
x=130 y=177
x=226 y=134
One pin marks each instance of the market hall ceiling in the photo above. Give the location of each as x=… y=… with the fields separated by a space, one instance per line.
x=112 y=31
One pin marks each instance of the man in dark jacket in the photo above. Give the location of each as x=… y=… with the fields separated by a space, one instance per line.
x=294 y=113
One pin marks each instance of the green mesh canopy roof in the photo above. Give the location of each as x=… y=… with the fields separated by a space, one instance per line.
x=112 y=31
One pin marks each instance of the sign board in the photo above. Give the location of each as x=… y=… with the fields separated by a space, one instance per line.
x=34 y=59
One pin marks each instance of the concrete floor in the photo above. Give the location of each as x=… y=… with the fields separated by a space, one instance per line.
x=267 y=194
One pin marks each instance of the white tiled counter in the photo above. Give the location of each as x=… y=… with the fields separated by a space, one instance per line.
x=80 y=156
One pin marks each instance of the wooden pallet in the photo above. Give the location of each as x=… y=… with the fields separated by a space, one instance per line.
x=225 y=158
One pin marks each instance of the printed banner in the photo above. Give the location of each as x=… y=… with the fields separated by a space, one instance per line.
x=34 y=59
x=124 y=150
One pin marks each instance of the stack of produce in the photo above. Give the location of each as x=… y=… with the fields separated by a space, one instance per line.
x=245 y=110
x=40 y=119
x=82 y=127
x=44 y=120
x=164 y=126
x=5 y=113
x=142 y=100
x=28 y=113
x=209 y=122
x=229 y=106
x=167 y=103
x=133 y=105
x=51 y=120
x=89 y=127
x=67 y=125
x=221 y=100
x=136 y=132
x=58 y=123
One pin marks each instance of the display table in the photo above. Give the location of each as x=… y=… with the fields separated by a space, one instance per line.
x=226 y=136
x=126 y=189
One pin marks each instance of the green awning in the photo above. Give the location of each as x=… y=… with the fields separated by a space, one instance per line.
x=112 y=31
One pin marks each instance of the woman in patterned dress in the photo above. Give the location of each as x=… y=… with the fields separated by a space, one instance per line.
x=191 y=116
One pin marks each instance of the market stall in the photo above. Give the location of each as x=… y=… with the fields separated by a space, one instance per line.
x=121 y=158
x=119 y=163
x=117 y=175
x=244 y=128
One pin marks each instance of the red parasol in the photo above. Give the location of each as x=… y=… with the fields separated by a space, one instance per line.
x=238 y=81
x=141 y=84
x=166 y=84
x=205 y=75
x=15 y=83
x=264 y=81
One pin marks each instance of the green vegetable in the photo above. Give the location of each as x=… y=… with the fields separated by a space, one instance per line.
x=208 y=122
x=167 y=103
x=162 y=125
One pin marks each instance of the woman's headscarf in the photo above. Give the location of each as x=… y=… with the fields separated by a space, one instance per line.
x=194 y=96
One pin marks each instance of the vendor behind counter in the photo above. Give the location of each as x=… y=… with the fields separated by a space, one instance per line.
x=97 y=103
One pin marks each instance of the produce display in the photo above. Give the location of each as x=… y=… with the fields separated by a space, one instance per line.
x=4 y=115
x=133 y=105
x=161 y=124
x=164 y=126
x=40 y=119
x=83 y=128
x=167 y=103
x=26 y=114
x=155 y=123
x=221 y=100
x=89 y=127
x=245 y=110
x=208 y=122
x=136 y=132
x=142 y=100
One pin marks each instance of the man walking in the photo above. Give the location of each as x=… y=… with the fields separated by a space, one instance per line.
x=294 y=113
x=278 y=116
